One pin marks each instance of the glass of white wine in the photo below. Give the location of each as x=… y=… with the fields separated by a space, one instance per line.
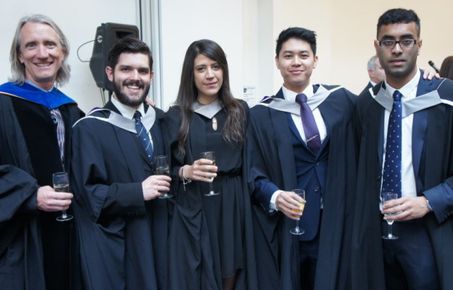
x=60 y=182
x=297 y=230
x=162 y=168
x=386 y=196
x=210 y=155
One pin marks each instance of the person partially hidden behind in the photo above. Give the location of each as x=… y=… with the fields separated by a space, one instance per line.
x=375 y=73
x=446 y=69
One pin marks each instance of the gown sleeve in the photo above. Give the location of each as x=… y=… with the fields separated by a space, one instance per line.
x=91 y=178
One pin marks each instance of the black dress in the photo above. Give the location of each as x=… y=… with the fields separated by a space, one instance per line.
x=209 y=235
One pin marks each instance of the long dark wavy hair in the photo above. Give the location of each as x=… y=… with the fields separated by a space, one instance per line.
x=234 y=129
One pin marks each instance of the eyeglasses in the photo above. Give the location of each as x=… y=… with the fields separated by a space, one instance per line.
x=391 y=43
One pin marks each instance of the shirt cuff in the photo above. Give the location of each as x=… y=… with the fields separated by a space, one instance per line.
x=428 y=204
x=272 y=203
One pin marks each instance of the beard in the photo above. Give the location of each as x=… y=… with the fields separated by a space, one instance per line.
x=127 y=100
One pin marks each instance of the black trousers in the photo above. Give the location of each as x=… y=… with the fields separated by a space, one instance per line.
x=308 y=258
x=409 y=261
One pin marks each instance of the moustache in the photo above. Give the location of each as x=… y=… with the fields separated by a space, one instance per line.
x=138 y=83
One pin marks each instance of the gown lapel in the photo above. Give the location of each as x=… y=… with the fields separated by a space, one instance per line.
x=124 y=142
x=419 y=126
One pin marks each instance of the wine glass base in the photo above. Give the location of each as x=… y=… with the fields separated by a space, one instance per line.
x=391 y=237
x=212 y=193
x=297 y=232
x=166 y=196
x=64 y=218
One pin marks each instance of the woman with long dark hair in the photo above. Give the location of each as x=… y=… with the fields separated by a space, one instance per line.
x=210 y=235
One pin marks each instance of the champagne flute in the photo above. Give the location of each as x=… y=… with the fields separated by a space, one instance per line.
x=210 y=155
x=60 y=182
x=162 y=168
x=297 y=231
x=387 y=196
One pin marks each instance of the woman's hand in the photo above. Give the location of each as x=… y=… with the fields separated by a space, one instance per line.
x=202 y=170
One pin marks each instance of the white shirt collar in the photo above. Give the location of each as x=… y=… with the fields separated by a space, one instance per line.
x=126 y=111
x=409 y=90
x=38 y=87
x=291 y=95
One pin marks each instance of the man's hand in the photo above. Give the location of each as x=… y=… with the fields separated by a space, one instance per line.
x=290 y=204
x=150 y=102
x=155 y=185
x=50 y=200
x=429 y=73
x=406 y=208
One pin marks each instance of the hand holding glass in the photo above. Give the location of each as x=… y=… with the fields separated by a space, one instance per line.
x=386 y=196
x=210 y=155
x=162 y=168
x=297 y=230
x=60 y=182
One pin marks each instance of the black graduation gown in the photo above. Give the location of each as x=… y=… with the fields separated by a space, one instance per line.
x=122 y=237
x=365 y=90
x=29 y=149
x=435 y=166
x=271 y=156
x=210 y=237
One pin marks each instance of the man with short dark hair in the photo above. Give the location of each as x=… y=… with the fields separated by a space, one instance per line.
x=36 y=251
x=406 y=146
x=302 y=138
x=121 y=224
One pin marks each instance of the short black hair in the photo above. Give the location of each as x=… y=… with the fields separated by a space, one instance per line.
x=298 y=33
x=128 y=45
x=398 y=15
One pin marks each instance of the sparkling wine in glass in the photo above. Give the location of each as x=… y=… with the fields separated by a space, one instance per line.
x=60 y=182
x=386 y=196
x=162 y=168
x=297 y=230
x=210 y=155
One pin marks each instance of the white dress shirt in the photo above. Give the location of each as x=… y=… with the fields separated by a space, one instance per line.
x=409 y=91
x=290 y=95
x=128 y=112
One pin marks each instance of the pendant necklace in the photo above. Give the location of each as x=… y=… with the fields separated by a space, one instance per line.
x=214 y=124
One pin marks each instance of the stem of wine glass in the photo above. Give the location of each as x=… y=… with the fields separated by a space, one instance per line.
x=211 y=186
x=297 y=229
x=390 y=234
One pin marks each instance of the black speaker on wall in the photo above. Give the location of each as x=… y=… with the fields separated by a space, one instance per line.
x=107 y=35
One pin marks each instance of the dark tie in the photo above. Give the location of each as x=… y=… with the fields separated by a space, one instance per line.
x=392 y=166
x=308 y=122
x=142 y=134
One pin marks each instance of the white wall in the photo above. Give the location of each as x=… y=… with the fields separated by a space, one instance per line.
x=246 y=30
x=346 y=30
x=183 y=21
x=258 y=49
x=78 y=20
